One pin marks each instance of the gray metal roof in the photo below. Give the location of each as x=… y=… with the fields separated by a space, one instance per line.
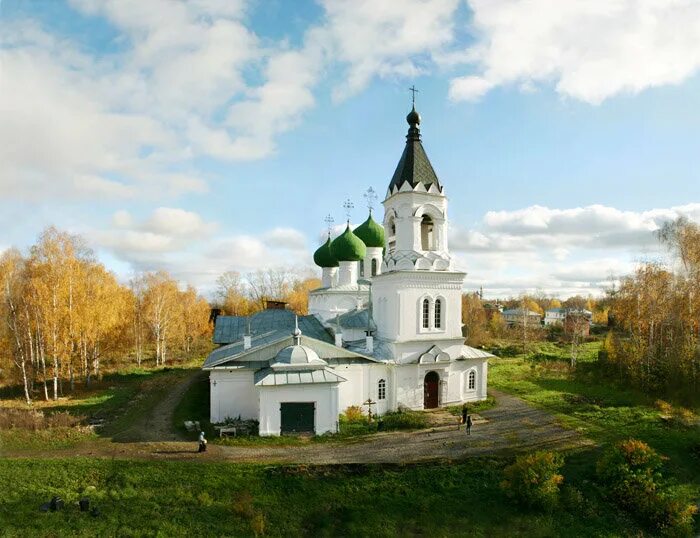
x=275 y=342
x=382 y=350
x=230 y=329
x=469 y=352
x=356 y=319
x=270 y=378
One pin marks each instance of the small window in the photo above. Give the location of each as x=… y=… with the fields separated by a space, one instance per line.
x=472 y=380
x=374 y=266
x=438 y=314
x=426 y=314
x=362 y=268
x=427 y=233
x=381 y=390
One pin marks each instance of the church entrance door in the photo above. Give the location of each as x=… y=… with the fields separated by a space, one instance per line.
x=430 y=390
x=297 y=417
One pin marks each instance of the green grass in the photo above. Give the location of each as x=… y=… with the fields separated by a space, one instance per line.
x=121 y=399
x=179 y=498
x=599 y=409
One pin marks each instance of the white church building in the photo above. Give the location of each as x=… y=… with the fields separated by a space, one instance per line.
x=384 y=330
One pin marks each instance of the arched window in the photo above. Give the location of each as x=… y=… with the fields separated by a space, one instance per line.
x=471 y=380
x=381 y=390
x=426 y=314
x=374 y=266
x=426 y=233
x=362 y=268
x=438 y=314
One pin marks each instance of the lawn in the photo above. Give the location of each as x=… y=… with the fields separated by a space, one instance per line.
x=120 y=399
x=599 y=409
x=212 y=499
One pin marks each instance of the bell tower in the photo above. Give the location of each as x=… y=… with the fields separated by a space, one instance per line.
x=415 y=210
x=417 y=298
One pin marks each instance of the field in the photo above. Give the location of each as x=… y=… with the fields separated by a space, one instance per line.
x=137 y=497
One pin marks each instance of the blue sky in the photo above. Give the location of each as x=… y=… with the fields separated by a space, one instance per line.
x=215 y=135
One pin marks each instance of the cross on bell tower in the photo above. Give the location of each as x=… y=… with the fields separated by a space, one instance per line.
x=413 y=91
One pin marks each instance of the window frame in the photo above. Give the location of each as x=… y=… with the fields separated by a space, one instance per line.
x=425 y=313
x=471 y=380
x=381 y=389
x=438 y=311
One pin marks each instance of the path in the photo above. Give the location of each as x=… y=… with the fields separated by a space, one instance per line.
x=157 y=425
x=512 y=426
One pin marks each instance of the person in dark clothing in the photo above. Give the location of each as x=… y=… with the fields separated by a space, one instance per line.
x=469 y=423
x=464 y=414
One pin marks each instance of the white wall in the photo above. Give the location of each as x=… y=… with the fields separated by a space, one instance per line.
x=362 y=383
x=411 y=377
x=232 y=393
x=327 y=304
x=396 y=304
x=325 y=396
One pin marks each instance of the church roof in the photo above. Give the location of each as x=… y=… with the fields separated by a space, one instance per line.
x=356 y=319
x=323 y=257
x=347 y=247
x=371 y=233
x=268 y=377
x=230 y=329
x=414 y=166
x=267 y=346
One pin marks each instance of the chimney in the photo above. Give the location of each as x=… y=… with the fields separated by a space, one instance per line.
x=369 y=343
x=246 y=337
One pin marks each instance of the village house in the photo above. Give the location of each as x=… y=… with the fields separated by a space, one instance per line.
x=520 y=316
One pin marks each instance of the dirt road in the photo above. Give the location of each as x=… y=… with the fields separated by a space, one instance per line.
x=512 y=426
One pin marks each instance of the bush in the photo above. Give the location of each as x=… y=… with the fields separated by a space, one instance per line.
x=534 y=480
x=29 y=419
x=354 y=414
x=404 y=420
x=629 y=473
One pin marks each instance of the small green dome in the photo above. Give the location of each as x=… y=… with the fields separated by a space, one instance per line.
x=347 y=247
x=323 y=257
x=371 y=233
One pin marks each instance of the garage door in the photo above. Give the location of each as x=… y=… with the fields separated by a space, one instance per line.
x=297 y=417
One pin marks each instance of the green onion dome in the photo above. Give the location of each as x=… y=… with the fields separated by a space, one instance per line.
x=347 y=247
x=323 y=257
x=371 y=233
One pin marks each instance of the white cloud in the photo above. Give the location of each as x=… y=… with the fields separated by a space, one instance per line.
x=385 y=38
x=590 y=50
x=560 y=251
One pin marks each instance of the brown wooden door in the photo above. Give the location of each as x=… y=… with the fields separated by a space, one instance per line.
x=430 y=390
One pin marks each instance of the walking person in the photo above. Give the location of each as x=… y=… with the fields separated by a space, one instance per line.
x=465 y=412
x=202 y=443
x=469 y=423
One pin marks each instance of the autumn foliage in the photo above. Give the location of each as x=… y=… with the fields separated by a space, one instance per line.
x=63 y=315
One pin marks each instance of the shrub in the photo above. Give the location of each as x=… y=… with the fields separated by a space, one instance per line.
x=354 y=414
x=534 y=480
x=404 y=420
x=629 y=472
x=30 y=419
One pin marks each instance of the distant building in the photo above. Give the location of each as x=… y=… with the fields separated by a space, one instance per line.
x=491 y=309
x=514 y=316
x=570 y=319
x=555 y=316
